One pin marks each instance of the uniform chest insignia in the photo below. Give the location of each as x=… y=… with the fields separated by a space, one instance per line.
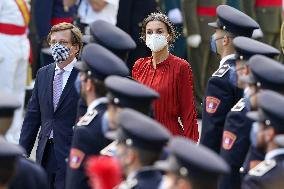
x=128 y=184
x=76 y=158
x=239 y=106
x=87 y=118
x=229 y=139
x=262 y=168
x=212 y=104
x=110 y=149
x=222 y=71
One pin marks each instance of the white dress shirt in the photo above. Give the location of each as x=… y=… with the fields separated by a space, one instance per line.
x=230 y=56
x=108 y=13
x=97 y=102
x=67 y=71
x=273 y=153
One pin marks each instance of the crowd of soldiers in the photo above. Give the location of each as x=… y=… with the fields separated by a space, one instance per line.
x=118 y=144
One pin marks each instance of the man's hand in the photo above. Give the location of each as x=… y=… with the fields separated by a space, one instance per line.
x=98 y=5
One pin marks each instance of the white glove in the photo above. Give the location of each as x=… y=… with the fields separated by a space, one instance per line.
x=175 y=16
x=257 y=33
x=193 y=40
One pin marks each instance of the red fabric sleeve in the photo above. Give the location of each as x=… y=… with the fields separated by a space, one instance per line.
x=136 y=67
x=187 y=110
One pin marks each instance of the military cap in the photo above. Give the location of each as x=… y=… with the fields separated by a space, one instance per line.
x=8 y=153
x=265 y=73
x=195 y=161
x=270 y=110
x=110 y=36
x=247 y=47
x=140 y=131
x=125 y=92
x=8 y=104
x=99 y=62
x=234 y=21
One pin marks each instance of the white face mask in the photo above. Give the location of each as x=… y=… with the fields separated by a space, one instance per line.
x=156 y=42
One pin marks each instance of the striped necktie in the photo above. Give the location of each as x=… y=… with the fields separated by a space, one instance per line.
x=57 y=87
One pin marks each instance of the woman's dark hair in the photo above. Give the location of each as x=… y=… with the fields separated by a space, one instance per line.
x=158 y=16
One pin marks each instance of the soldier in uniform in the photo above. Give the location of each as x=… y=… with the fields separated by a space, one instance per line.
x=36 y=177
x=88 y=136
x=264 y=73
x=269 y=174
x=237 y=126
x=140 y=141
x=197 y=14
x=15 y=49
x=189 y=169
x=222 y=91
x=269 y=16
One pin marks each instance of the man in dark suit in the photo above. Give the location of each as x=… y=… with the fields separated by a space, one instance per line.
x=222 y=91
x=52 y=106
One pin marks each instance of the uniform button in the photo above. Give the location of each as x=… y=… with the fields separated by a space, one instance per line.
x=140 y=24
x=201 y=19
x=263 y=10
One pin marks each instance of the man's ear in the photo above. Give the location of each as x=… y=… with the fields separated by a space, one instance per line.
x=269 y=134
x=75 y=49
x=246 y=70
x=131 y=156
x=226 y=40
x=89 y=85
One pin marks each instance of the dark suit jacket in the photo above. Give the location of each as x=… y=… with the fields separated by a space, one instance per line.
x=40 y=113
x=89 y=140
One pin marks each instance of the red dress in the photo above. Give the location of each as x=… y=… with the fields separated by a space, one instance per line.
x=172 y=78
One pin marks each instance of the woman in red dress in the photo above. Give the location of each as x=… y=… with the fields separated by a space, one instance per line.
x=169 y=75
